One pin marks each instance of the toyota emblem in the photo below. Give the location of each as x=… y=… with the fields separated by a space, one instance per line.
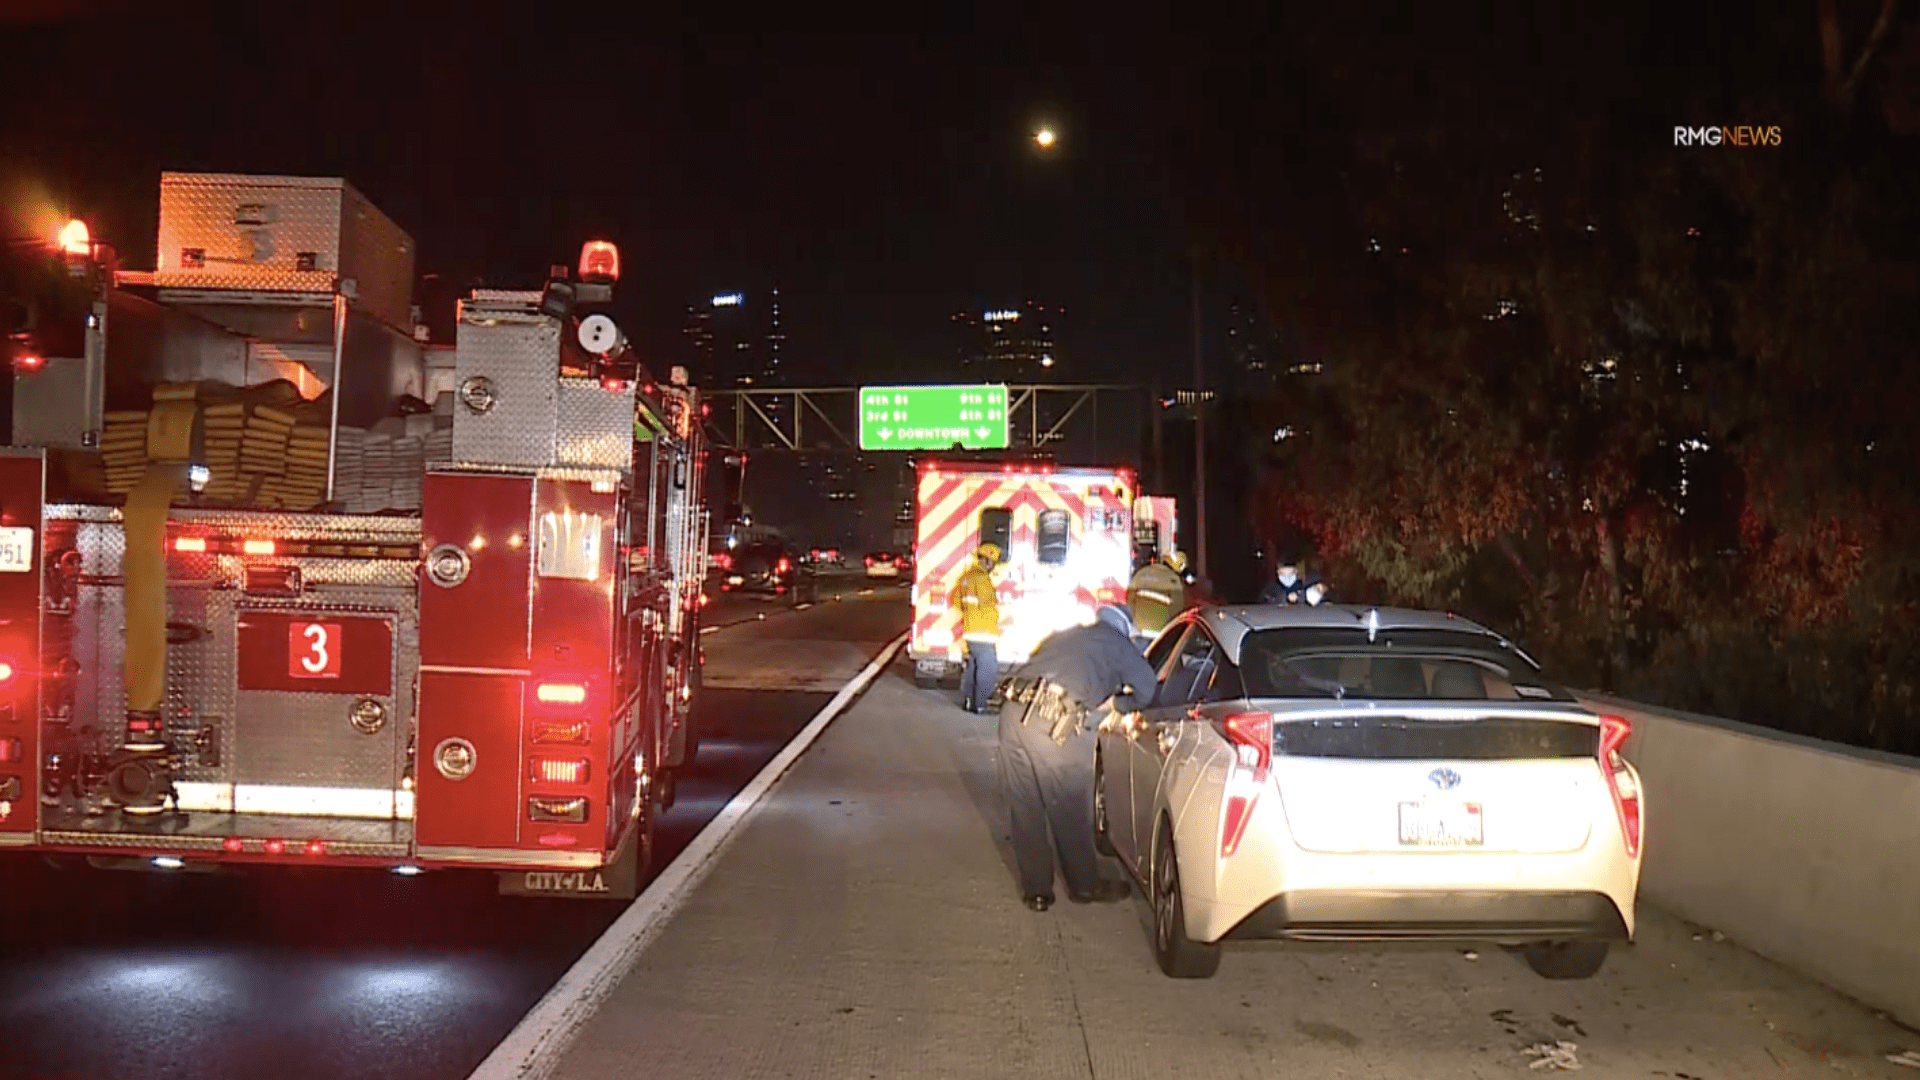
x=1444 y=779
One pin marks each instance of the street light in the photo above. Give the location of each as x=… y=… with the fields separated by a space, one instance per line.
x=1044 y=137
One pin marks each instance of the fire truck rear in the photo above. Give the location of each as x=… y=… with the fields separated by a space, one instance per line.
x=1065 y=537
x=283 y=582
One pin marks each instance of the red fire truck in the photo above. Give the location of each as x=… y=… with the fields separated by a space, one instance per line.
x=284 y=581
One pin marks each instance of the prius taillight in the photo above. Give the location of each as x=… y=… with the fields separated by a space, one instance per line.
x=1620 y=782
x=1250 y=735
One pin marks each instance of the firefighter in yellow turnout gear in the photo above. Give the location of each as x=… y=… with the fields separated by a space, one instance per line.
x=979 y=605
x=1158 y=592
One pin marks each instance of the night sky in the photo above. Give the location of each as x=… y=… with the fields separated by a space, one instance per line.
x=882 y=174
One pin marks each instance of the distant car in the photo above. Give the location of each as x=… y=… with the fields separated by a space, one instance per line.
x=829 y=556
x=1349 y=774
x=883 y=564
x=764 y=568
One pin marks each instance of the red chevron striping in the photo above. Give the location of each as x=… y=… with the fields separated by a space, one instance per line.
x=961 y=519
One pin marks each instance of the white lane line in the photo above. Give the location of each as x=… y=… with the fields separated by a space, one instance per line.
x=533 y=1049
x=801 y=607
x=708 y=629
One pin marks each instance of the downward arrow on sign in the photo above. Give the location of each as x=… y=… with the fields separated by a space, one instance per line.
x=886 y=433
x=980 y=431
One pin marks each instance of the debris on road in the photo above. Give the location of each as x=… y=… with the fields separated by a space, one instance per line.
x=1471 y=955
x=1553 y=1056
x=1909 y=1058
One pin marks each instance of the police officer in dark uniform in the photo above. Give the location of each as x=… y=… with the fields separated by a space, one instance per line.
x=1286 y=588
x=1046 y=752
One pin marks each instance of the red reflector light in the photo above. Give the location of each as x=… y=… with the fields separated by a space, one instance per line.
x=257 y=547
x=315 y=847
x=275 y=847
x=561 y=693
x=558 y=770
x=190 y=543
x=1239 y=812
x=9 y=750
x=599 y=259
x=572 y=732
x=233 y=843
x=613 y=384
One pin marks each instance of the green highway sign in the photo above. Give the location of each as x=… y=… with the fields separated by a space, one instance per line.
x=933 y=417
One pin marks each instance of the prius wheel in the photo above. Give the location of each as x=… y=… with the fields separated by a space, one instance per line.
x=1180 y=957
x=1566 y=959
x=1101 y=841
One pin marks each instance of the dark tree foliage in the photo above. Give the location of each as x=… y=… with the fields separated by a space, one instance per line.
x=1644 y=405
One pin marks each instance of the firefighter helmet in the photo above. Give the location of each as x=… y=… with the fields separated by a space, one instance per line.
x=1177 y=560
x=989 y=552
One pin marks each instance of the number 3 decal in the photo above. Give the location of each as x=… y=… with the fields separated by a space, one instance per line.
x=318 y=659
x=313 y=650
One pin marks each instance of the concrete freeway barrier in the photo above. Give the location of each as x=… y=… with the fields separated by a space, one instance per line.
x=1807 y=852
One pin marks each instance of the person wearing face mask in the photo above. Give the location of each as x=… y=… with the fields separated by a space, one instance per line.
x=1285 y=588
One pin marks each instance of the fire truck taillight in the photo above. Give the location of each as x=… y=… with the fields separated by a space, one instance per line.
x=10 y=751
x=6 y=672
x=567 y=811
x=557 y=770
x=568 y=732
x=190 y=543
x=599 y=261
x=256 y=547
x=561 y=693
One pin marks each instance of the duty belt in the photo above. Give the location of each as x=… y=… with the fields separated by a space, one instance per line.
x=1049 y=704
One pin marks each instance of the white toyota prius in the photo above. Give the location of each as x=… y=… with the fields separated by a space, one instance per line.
x=1339 y=773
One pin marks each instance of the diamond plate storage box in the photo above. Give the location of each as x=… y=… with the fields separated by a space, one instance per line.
x=506 y=367
x=284 y=234
x=511 y=404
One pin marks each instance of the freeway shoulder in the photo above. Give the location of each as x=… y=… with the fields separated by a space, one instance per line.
x=864 y=922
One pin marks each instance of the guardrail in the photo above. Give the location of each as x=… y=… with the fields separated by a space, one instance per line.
x=1804 y=851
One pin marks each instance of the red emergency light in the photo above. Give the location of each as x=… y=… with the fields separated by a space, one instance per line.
x=599 y=261
x=75 y=239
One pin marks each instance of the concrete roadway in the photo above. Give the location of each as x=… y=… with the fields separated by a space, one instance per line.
x=864 y=923
x=314 y=974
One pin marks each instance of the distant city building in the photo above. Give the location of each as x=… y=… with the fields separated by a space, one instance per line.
x=735 y=341
x=1010 y=345
x=1254 y=352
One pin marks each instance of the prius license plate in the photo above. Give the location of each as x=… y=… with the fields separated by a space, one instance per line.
x=1430 y=823
x=16 y=550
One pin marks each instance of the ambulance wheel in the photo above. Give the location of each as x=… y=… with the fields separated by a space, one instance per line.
x=1102 y=843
